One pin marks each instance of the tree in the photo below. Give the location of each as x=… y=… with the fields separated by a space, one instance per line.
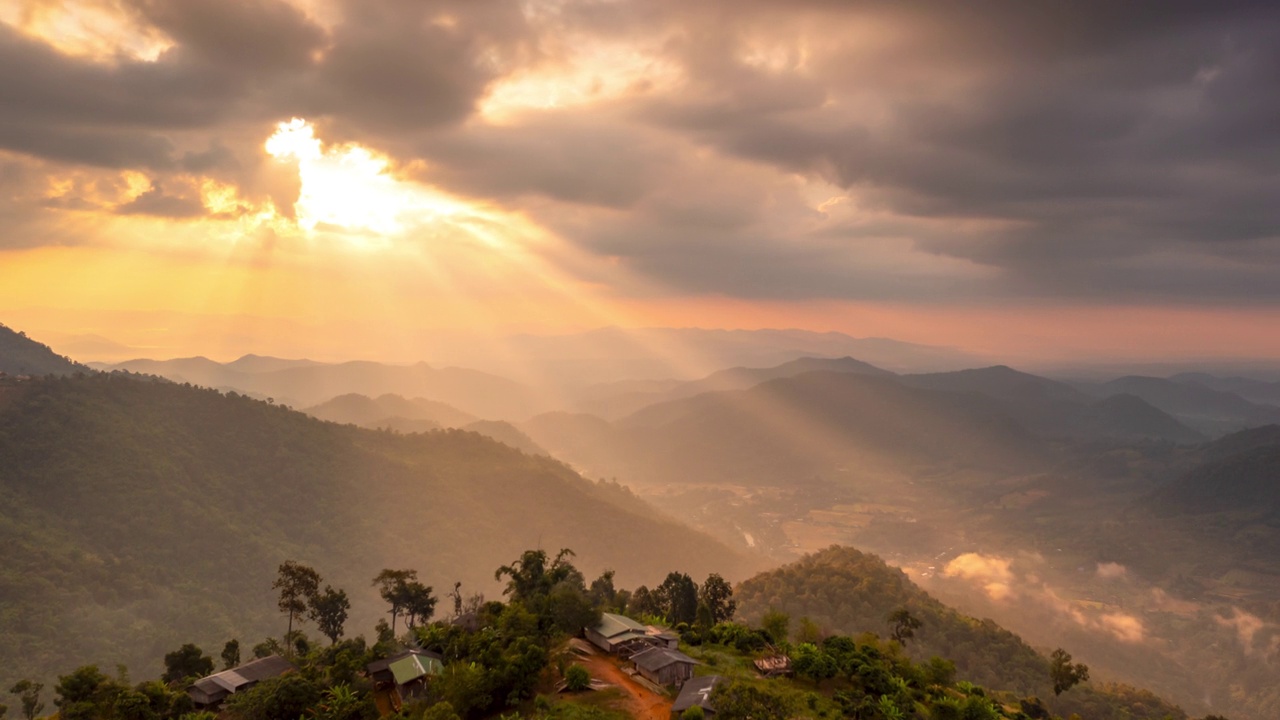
x=777 y=624
x=419 y=603
x=457 y=599
x=694 y=713
x=903 y=625
x=329 y=612
x=231 y=654
x=531 y=577
x=297 y=583
x=718 y=595
x=602 y=591
x=1064 y=674
x=576 y=678
x=643 y=602
x=391 y=586
x=187 y=661
x=677 y=598
x=28 y=693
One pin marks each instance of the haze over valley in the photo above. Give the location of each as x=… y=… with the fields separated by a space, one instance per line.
x=632 y=359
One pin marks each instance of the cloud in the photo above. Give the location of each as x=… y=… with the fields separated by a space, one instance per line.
x=154 y=201
x=1247 y=626
x=992 y=573
x=1112 y=571
x=1005 y=579
x=1069 y=152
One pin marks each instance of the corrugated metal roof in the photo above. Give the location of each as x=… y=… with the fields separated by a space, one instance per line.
x=378 y=666
x=263 y=668
x=228 y=680
x=654 y=659
x=412 y=667
x=611 y=625
x=696 y=691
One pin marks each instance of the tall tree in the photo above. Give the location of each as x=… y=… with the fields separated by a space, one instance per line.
x=1064 y=673
x=328 y=610
x=297 y=584
x=531 y=576
x=602 y=592
x=187 y=661
x=718 y=596
x=678 y=598
x=643 y=602
x=231 y=654
x=777 y=624
x=390 y=584
x=28 y=693
x=903 y=625
x=418 y=602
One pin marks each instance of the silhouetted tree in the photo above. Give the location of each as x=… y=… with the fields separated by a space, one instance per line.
x=391 y=586
x=329 y=611
x=677 y=597
x=643 y=602
x=187 y=661
x=903 y=625
x=231 y=654
x=602 y=591
x=718 y=596
x=531 y=576
x=1064 y=674
x=419 y=603
x=297 y=584
x=28 y=693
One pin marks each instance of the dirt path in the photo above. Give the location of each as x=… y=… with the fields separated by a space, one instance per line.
x=642 y=703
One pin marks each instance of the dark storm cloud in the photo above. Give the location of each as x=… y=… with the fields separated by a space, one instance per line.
x=988 y=150
x=155 y=201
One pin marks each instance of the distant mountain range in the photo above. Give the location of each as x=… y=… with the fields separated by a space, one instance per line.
x=393 y=412
x=303 y=383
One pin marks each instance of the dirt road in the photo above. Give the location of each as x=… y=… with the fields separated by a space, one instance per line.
x=641 y=702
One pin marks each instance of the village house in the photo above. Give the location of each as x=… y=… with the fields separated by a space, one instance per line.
x=664 y=666
x=208 y=692
x=613 y=631
x=402 y=677
x=696 y=692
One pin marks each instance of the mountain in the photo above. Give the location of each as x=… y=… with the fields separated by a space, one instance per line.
x=1128 y=417
x=507 y=434
x=370 y=412
x=791 y=429
x=1255 y=391
x=628 y=399
x=20 y=355
x=1237 y=473
x=306 y=383
x=136 y=516
x=1210 y=411
x=1054 y=409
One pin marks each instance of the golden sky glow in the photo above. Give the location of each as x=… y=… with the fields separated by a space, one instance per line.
x=288 y=172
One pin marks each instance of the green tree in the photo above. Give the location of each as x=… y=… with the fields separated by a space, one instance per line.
x=187 y=661
x=903 y=625
x=441 y=711
x=576 y=678
x=394 y=587
x=777 y=624
x=693 y=713
x=677 y=597
x=603 y=594
x=718 y=596
x=328 y=610
x=80 y=694
x=531 y=576
x=419 y=603
x=28 y=693
x=231 y=654
x=297 y=583
x=1064 y=673
x=643 y=602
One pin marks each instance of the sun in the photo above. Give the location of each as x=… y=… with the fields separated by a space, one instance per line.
x=350 y=189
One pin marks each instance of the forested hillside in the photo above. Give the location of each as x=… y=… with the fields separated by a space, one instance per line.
x=843 y=590
x=20 y=355
x=138 y=515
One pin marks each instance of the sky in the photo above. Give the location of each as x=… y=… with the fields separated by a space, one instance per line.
x=1046 y=180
